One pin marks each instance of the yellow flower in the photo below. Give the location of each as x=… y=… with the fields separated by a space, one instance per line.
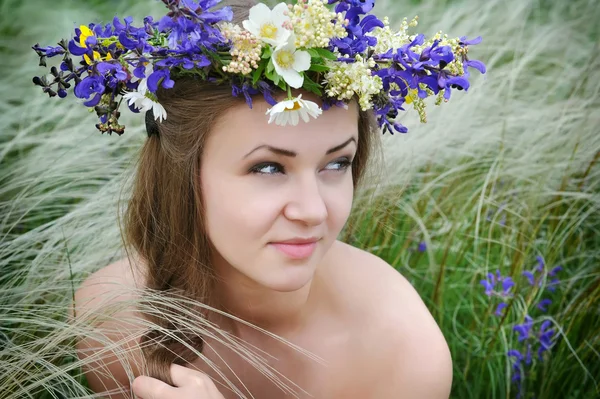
x=97 y=57
x=85 y=33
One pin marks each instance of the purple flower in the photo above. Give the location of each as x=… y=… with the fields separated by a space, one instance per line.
x=500 y=308
x=114 y=67
x=524 y=329
x=162 y=77
x=544 y=336
x=422 y=246
x=533 y=279
x=491 y=281
x=89 y=86
x=543 y=305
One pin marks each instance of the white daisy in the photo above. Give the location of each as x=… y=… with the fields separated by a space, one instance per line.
x=143 y=102
x=267 y=24
x=290 y=111
x=289 y=62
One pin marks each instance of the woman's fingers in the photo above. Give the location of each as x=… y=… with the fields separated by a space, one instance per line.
x=187 y=378
x=150 y=388
x=189 y=384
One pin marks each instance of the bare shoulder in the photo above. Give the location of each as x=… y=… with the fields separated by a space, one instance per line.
x=405 y=347
x=109 y=325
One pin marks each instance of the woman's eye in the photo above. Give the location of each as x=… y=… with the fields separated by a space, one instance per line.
x=273 y=168
x=267 y=168
x=340 y=165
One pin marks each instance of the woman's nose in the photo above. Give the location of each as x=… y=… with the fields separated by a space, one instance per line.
x=307 y=203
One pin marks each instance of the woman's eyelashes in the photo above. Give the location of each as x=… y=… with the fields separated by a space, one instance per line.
x=274 y=168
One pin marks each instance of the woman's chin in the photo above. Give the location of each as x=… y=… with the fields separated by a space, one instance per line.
x=289 y=278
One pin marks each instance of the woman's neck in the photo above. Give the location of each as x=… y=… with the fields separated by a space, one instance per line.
x=281 y=313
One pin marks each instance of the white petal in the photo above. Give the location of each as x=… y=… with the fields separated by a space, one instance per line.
x=304 y=114
x=289 y=44
x=282 y=119
x=278 y=14
x=294 y=117
x=143 y=86
x=301 y=61
x=259 y=14
x=251 y=27
x=159 y=111
x=292 y=78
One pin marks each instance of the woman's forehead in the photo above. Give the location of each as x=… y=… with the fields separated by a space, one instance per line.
x=241 y=128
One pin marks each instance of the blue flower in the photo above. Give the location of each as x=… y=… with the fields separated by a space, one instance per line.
x=500 y=308
x=89 y=86
x=543 y=305
x=422 y=246
x=491 y=281
x=114 y=67
x=162 y=77
x=357 y=41
x=524 y=329
x=545 y=338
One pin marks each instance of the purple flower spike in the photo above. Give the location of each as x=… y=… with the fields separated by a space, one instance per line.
x=500 y=308
x=524 y=329
x=530 y=277
x=555 y=270
x=507 y=284
x=543 y=305
x=545 y=338
x=541 y=263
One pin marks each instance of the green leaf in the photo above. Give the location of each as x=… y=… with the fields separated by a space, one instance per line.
x=258 y=72
x=313 y=53
x=319 y=68
x=323 y=52
x=270 y=66
x=311 y=86
x=282 y=85
x=267 y=52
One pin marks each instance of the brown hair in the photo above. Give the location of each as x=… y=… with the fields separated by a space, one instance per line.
x=164 y=220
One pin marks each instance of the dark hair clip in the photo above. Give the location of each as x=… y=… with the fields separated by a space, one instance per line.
x=151 y=125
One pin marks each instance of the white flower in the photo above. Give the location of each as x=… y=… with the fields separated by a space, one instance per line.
x=292 y=110
x=267 y=25
x=142 y=100
x=289 y=62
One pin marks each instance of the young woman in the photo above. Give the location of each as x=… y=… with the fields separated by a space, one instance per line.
x=233 y=220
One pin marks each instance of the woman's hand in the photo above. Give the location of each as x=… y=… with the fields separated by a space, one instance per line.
x=189 y=384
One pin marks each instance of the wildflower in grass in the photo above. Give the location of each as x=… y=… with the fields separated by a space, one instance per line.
x=536 y=276
x=492 y=280
x=543 y=304
x=505 y=283
x=500 y=309
x=542 y=338
x=422 y=246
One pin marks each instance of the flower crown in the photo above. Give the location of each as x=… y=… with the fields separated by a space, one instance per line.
x=332 y=48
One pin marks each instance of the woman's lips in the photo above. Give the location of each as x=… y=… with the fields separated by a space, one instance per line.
x=296 y=251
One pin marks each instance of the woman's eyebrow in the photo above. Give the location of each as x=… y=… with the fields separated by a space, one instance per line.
x=288 y=153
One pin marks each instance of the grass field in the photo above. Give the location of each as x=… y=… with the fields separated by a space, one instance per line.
x=478 y=207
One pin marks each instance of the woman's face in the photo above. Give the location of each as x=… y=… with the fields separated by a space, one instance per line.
x=263 y=184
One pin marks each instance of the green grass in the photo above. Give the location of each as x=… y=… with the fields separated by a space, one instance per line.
x=498 y=176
